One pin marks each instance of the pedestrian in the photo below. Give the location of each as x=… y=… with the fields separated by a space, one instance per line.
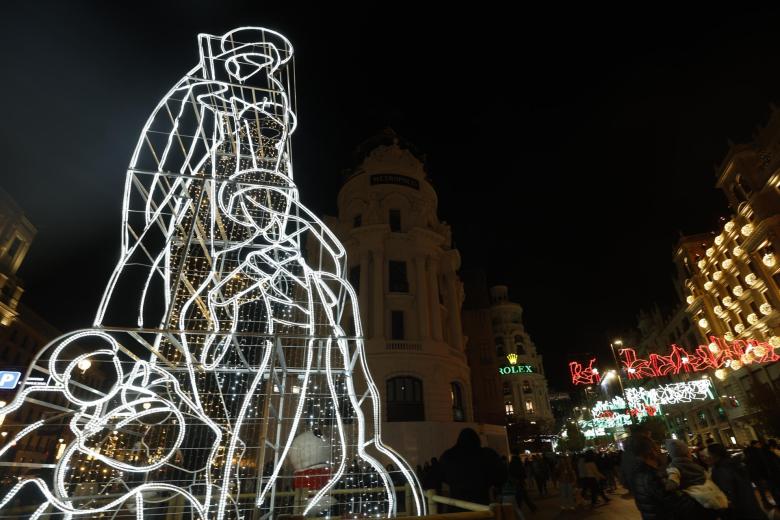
x=517 y=472
x=629 y=463
x=732 y=478
x=541 y=474
x=686 y=475
x=592 y=477
x=508 y=492
x=566 y=478
x=651 y=496
x=470 y=469
x=756 y=465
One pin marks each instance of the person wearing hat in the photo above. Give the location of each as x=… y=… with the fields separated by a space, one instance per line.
x=684 y=474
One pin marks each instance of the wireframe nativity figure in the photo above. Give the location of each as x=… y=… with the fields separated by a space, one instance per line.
x=224 y=376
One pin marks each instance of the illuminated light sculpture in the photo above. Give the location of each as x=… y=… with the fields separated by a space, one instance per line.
x=240 y=344
x=719 y=353
x=670 y=394
x=584 y=376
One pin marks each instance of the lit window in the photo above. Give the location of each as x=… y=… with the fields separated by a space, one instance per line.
x=509 y=408
x=529 y=406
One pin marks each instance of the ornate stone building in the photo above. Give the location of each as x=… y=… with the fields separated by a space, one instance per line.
x=525 y=393
x=732 y=277
x=404 y=268
x=16 y=236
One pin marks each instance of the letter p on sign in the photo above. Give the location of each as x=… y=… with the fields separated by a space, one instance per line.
x=9 y=379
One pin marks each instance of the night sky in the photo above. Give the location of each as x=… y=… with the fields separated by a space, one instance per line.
x=569 y=149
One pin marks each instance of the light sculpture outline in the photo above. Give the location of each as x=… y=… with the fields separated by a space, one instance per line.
x=240 y=343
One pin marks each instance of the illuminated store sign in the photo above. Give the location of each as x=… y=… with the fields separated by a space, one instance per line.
x=516 y=369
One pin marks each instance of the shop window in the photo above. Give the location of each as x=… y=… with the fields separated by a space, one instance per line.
x=405 y=399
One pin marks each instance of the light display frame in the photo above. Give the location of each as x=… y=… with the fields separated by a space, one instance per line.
x=242 y=348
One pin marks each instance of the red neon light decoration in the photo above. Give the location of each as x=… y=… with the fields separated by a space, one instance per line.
x=584 y=376
x=723 y=353
x=703 y=358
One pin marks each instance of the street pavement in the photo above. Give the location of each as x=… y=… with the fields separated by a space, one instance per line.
x=620 y=507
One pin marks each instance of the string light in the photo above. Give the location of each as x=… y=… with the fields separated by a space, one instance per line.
x=249 y=324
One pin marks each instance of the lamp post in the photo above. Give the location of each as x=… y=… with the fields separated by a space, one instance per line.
x=619 y=343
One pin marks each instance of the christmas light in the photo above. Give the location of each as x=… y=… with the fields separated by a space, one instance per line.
x=584 y=376
x=243 y=337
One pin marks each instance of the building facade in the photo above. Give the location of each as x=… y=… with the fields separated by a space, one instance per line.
x=732 y=277
x=697 y=420
x=525 y=393
x=16 y=236
x=404 y=269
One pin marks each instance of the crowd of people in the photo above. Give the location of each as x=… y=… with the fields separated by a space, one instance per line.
x=706 y=481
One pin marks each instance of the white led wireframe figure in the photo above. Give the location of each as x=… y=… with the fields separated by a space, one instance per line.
x=239 y=341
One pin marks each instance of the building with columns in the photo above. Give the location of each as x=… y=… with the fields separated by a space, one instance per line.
x=525 y=393
x=731 y=279
x=404 y=269
x=16 y=236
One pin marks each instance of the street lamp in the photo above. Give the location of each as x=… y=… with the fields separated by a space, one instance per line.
x=619 y=343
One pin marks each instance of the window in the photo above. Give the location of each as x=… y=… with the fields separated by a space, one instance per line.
x=500 y=346
x=526 y=387
x=529 y=406
x=395 y=220
x=458 y=414
x=397 y=273
x=509 y=408
x=507 y=388
x=703 y=418
x=357 y=221
x=397 y=324
x=519 y=345
x=354 y=278
x=14 y=247
x=405 y=399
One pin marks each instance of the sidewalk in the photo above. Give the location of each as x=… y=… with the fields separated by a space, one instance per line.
x=620 y=507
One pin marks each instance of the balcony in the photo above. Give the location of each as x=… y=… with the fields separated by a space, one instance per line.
x=409 y=346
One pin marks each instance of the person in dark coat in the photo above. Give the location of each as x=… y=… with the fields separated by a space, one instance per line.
x=734 y=481
x=652 y=499
x=517 y=473
x=471 y=470
x=756 y=465
x=629 y=463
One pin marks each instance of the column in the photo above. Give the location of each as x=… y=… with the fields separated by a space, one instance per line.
x=453 y=311
x=433 y=298
x=363 y=293
x=378 y=287
x=422 y=298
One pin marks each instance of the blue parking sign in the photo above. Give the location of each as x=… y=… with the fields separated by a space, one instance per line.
x=8 y=379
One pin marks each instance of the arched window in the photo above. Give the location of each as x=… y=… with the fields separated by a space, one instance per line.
x=458 y=412
x=500 y=351
x=520 y=348
x=405 y=399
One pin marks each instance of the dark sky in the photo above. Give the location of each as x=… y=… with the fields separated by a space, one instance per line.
x=569 y=148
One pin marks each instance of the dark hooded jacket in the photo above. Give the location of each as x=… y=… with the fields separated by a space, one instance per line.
x=471 y=470
x=733 y=480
